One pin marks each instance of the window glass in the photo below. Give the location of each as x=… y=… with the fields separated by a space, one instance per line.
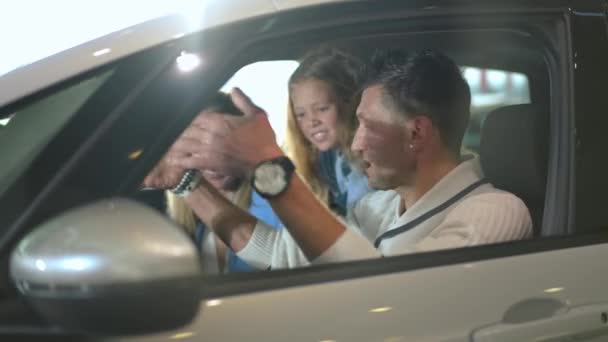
x=266 y=83
x=334 y=178
x=25 y=133
x=491 y=89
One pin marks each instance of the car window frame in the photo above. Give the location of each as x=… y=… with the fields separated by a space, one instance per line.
x=560 y=117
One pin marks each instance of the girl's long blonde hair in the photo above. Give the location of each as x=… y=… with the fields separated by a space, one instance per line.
x=342 y=72
x=183 y=215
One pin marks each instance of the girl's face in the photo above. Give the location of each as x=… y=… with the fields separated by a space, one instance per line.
x=222 y=183
x=315 y=107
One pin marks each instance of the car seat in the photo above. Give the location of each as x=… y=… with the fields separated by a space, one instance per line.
x=514 y=154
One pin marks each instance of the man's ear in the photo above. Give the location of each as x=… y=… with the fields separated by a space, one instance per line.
x=420 y=130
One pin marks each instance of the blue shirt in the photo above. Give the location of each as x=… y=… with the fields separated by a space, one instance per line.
x=260 y=209
x=346 y=183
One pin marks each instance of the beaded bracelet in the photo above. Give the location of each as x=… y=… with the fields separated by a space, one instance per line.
x=189 y=182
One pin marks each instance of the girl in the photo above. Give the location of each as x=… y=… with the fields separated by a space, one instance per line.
x=323 y=97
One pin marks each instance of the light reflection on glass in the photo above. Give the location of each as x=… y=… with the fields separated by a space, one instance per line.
x=135 y=154
x=187 y=62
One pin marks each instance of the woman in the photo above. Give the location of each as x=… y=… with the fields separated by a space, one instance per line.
x=323 y=97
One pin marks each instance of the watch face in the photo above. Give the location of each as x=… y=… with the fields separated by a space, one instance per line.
x=269 y=178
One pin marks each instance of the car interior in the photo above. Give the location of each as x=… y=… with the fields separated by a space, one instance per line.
x=513 y=142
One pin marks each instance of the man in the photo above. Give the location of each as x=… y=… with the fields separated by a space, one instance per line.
x=413 y=114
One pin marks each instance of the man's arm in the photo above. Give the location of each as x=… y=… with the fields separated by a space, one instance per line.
x=317 y=231
x=223 y=144
x=263 y=246
x=230 y=223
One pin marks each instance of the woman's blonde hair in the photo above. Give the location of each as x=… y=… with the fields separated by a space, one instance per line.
x=183 y=215
x=342 y=72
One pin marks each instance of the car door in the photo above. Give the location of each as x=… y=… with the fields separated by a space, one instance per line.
x=544 y=289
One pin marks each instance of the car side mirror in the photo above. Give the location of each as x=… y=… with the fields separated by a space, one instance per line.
x=114 y=267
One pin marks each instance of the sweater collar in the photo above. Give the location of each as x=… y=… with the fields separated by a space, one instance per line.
x=463 y=175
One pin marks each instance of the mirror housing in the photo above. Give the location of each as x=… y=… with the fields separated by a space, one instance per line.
x=114 y=267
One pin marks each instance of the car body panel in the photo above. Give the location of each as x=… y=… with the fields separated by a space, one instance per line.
x=440 y=302
x=435 y=304
x=54 y=69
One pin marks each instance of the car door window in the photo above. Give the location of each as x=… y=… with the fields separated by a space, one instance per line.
x=272 y=96
x=28 y=130
x=491 y=89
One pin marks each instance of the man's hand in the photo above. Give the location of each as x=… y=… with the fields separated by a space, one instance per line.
x=218 y=142
x=165 y=174
x=254 y=137
x=229 y=144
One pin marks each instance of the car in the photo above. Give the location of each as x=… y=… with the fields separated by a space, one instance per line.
x=84 y=258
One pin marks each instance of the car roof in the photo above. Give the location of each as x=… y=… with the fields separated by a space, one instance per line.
x=46 y=72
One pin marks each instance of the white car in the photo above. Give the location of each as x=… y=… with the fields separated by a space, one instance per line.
x=83 y=260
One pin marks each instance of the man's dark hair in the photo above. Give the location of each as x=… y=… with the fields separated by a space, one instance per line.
x=424 y=83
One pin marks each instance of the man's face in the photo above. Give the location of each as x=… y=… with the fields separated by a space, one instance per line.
x=382 y=140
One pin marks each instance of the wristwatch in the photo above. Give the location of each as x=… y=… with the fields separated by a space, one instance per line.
x=271 y=177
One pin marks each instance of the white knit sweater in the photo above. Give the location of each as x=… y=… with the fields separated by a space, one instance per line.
x=485 y=215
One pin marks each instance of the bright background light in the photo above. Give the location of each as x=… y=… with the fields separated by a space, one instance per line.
x=32 y=29
x=266 y=84
x=187 y=62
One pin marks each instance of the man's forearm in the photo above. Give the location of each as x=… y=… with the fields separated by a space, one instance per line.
x=311 y=225
x=232 y=224
x=309 y=222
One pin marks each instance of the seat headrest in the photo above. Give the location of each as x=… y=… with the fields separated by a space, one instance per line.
x=514 y=150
